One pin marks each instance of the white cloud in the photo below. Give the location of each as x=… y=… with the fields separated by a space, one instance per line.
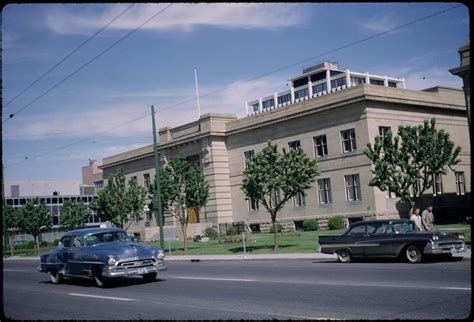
x=377 y=24
x=83 y=123
x=183 y=16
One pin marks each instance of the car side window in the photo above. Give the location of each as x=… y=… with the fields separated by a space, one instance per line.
x=376 y=228
x=357 y=231
x=66 y=241
x=76 y=241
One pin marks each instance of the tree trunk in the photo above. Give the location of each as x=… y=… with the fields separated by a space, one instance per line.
x=11 y=236
x=184 y=228
x=36 y=245
x=275 y=232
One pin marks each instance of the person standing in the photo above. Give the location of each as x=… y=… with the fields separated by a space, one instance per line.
x=427 y=218
x=417 y=218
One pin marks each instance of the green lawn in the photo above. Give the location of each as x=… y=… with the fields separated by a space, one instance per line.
x=259 y=243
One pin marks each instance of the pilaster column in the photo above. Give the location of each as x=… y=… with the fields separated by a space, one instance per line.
x=367 y=78
x=260 y=105
x=328 y=80
x=348 y=78
x=385 y=81
x=292 y=94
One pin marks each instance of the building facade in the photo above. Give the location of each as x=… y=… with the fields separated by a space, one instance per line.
x=332 y=126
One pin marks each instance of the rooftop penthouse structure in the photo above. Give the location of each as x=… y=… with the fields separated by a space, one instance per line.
x=318 y=80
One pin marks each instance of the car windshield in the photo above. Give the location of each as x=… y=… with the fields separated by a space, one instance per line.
x=106 y=237
x=403 y=227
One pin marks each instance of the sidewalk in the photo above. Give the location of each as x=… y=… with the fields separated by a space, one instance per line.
x=294 y=256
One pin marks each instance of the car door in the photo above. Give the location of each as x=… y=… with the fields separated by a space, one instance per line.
x=72 y=255
x=354 y=239
x=376 y=242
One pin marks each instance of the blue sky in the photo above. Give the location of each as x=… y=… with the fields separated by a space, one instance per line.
x=227 y=43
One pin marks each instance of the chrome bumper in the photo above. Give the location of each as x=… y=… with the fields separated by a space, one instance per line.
x=120 y=271
x=435 y=248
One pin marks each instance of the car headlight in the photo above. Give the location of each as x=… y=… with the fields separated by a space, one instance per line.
x=160 y=254
x=111 y=260
x=435 y=237
x=461 y=236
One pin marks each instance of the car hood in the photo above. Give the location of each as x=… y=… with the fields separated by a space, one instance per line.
x=123 y=250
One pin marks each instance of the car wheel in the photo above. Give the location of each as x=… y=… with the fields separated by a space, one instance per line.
x=150 y=277
x=55 y=276
x=344 y=256
x=413 y=254
x=99 y=280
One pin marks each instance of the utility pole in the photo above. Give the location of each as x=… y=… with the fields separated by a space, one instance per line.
x=157 y=195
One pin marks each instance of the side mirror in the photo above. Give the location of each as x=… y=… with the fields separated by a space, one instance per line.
x=60 y=245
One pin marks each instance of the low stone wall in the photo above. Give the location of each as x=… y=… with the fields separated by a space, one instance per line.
x=172 y=232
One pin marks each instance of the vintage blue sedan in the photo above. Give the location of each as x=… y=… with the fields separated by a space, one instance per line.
x=101 y=254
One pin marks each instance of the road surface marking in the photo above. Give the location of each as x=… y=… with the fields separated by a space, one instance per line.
x=103 y=297
x=214 y=279
x=16 y=270
x=319 y=283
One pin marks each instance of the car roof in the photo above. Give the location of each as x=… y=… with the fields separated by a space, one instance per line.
x=86 y=231
x=378 y=221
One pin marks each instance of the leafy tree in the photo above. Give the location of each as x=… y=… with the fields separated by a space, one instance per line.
x=407 y=163
x=10 y=216
x=34 y=219
x=182 y=187
x=74 y=215
x=120 y=203
x=270 y=172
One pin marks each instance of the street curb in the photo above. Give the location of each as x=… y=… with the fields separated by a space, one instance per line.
x=240 y=257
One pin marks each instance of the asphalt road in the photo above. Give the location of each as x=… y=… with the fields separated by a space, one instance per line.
x=267 y=289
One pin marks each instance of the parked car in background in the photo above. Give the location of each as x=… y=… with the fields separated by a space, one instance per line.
x=101 y=254
x=390 y=238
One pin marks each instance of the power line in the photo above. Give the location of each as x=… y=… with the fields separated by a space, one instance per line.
x=254 y=78
x=78 y=142
x=68 y=55
x=87 y=63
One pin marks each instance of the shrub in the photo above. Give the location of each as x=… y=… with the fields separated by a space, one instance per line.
x=43 y=244
x=310 y=224
x=55 y=242
x=211 y=233
x=279 y=227
x=336 y=222
x=231 y=231
x=232 y=239
x=30 y=244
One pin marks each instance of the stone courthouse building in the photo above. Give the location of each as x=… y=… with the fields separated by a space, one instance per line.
x=332 y=115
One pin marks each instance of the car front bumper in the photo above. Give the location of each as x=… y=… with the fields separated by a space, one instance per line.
x=434 y=248
x=121 y=271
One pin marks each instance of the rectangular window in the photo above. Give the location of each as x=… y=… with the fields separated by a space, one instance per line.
x=383 y=130
x=320 y=88
x=146 y=180
x=437 y=184
x=324 y=187
x=357 y=80
x=390 y=194
x=338 y=82
x=284 y=98
x=352 y=187
x=294 y=145
x=275 y=197
x=376 y=82
x=460 y=185
x=133 y=178
x=268 y=103
x=392 y=84
x=299 y=199
x=415 y=189
x=253 y=205
x=255 y=107
x=248 y=155
x=320 y=146
x=348 y=139
x=301 y=93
